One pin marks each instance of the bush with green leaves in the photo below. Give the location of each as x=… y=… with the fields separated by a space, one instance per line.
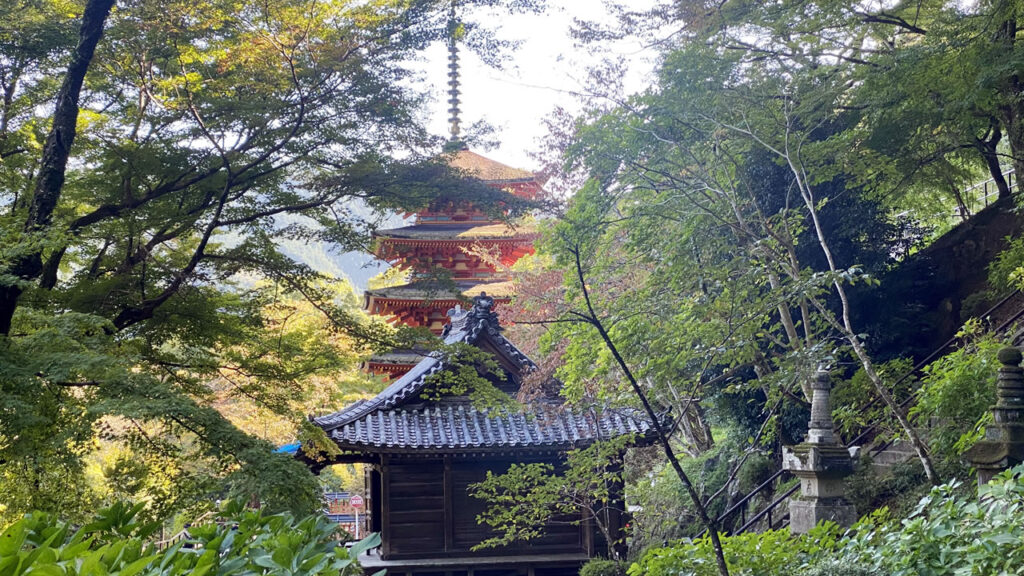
x=769 y=553
x=1006 y=272
x=953 y=531
x=116 y=543
x=957 y=391
x=834 y=567
x=603 y=567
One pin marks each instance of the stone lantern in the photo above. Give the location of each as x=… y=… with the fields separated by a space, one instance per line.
x=1003 y=445
x=821 y=464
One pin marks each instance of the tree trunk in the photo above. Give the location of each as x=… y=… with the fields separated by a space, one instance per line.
x=695 y=428
x=56 y=150
x=846 y=328
x=987 y=147
x=844 y=324
x=702 y=512
x=1013 y=121
x=1011 y=112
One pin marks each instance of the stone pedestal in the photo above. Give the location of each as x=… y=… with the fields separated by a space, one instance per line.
x=1003 y=445
x=821 y=464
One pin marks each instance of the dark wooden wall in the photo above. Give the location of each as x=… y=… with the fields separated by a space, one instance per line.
x=413 y=508
x=428 y=512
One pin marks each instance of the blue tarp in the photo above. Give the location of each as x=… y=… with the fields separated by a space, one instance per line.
x=289 y=448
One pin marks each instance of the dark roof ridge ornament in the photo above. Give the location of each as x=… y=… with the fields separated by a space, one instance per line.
x=468 y=322
x=483 y=309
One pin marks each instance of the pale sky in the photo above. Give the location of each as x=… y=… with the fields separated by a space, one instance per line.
x=546 y=71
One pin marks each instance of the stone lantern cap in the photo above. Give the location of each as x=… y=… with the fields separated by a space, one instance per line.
x=819 y=460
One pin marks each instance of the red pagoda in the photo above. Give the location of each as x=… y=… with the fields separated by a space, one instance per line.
x=453 y=237
x=458 y=239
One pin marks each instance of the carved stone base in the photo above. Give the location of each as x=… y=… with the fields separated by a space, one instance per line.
x=805 y=514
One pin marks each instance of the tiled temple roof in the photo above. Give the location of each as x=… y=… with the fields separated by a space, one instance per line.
x=397 y=418
x=441 y=427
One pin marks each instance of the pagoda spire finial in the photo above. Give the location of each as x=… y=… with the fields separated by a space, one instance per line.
x=454 y=32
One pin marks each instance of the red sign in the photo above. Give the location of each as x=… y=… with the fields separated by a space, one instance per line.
x=356 y=501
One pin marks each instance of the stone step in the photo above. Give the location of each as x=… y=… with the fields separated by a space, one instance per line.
x=897 y=453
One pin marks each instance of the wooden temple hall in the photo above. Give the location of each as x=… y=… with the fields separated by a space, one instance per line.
x=423 y=453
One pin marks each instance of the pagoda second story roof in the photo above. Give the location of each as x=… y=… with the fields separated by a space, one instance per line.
x=459 y=231
x=399 y=420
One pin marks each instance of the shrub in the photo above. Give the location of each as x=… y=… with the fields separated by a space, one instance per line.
x=957 y=391
x=770 y=553
x=1004 y=273
x=951 y=532
x=602 y=567
x=836 y=568
x=116 y=544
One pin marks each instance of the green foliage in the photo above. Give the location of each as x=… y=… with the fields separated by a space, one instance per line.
x=897 y=489
x=855 y=401
x=470 y=372
x=155 y=310
x=116 y=543
x=527 y=497
x=602 y=567
x=520 y=502
x=665 y=512
x=770 y=553
x=835 y=568
x=952 y=531
x=957 y=391
x=1006 y=272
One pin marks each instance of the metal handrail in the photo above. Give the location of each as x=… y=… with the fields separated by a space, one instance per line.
x=740 y=505
x=1011 y=181
x=931 y=357
x=732 y=509
x=768 y=510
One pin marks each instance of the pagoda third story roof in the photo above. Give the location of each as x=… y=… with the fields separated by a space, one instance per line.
x=398 y=420
x=488 y=170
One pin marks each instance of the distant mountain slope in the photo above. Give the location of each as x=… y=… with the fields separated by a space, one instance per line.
x=357 y=267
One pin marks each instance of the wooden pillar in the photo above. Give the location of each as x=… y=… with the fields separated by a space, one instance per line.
x=449 y=516
x=616 y=509
x=376 y=497
x=385 y=527
x=587 y=527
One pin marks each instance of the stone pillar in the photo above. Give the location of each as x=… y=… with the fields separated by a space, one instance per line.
x=821 y=464
x=1003 y=445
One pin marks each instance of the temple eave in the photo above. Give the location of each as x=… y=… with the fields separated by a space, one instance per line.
x=456 y=240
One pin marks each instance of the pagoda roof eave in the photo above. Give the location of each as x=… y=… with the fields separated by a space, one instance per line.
x=485 y=169
x=458 y=232
x=499 y=289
